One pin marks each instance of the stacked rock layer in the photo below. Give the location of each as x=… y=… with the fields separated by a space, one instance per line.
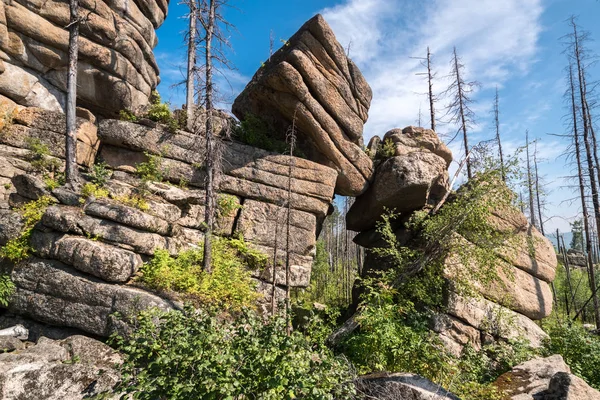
x=87 y=251
x=116 y=70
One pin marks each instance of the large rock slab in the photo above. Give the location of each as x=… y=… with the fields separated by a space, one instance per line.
x=565 y=386
x=51 y=292
x=312 y=82
x=71 y=369
x=117 y=68
x=405 y=386
x=106 y=262
x=401 y=183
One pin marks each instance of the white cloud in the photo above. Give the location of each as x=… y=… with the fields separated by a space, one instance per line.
x=493 y=38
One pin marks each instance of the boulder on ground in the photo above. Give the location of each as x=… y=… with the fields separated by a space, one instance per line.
x=71 y=369
x=405 y=386
x=311 y=83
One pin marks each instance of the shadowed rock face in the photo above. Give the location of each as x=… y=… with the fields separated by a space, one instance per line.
x=117 y=69
x=311 y=80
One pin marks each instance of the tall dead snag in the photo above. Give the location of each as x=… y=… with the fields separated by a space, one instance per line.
x=213 y=42
x=191 y=65
x=537 y=188
x=71 y=176
x=291 y=139
x=578 y=56
x=497 y=123
x=458 y=109
x=530 y=182
x=426 y=62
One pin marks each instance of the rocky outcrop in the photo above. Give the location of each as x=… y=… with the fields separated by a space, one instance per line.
x=545 y=379
x=405 y=386
x=116 y=70
x=416 y=174
x=576 y=258
x=88 y=251
x=74 y=368
x=310 y=81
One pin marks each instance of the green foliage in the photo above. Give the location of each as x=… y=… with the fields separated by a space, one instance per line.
x=6 y=120
x=579 y=348
x=258 y=133
x=93 y=190
x=196 y=354
x=151 y=170
x=39 y=156
x=100 y=174
x=135 y=200
x=385 y=150
x=18 y=249
x=227 y=205
x=580 y=288
x=577 y=231
x=7 y=289
x=228 y=285
x=54 y=181
x=127 y=115
x=161 y=112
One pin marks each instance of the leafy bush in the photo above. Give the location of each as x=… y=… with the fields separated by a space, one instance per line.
x=7 y=288
x=135 y=200
x=151 y=170
x=93 y=190
x=258 y=133
x=39 y=156
x=18 y=249
x=385 y=150
x=161 y=112
x=579 y=348
x=127 y=115
x=228 y=285
x=197 y=355
x=227 y=204
x=100 y=174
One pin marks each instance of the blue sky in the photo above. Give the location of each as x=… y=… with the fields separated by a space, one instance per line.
x=514 y=44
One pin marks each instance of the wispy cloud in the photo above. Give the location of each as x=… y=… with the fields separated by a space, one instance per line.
x=494 y=39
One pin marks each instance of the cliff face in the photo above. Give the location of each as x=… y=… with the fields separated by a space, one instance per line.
x=117 y=69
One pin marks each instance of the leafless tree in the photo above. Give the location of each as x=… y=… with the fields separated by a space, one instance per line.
x=538 y=193
x=459 y=109
x=530 y=183
x=579 y=64
x=497 y=124
x=291 y=139
x=426 y=62
x=191 y=64
x=71 y=175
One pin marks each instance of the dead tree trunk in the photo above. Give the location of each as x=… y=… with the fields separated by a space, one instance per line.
x=191 y=66
x=497 y=122
x=590 y=162
x=537 y=189
x=288 y=306
x=210 y=206
x=71 y=176
x=431 y=98
x=530 y=183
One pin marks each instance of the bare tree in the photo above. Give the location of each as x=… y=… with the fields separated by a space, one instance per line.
x=530 y=182
x=191 y=65
x=426 y=62
x=214 y=42
x=71 y=175
x=537 y=188
x=497 y=123
x=291 y=139
x=459 y=107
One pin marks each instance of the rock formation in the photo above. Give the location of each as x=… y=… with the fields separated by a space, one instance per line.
x=87 y=251
x=545 y=379
x=310 y=81
x=117 y=69
x=415 y=174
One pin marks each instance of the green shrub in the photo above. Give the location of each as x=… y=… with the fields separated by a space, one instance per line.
x=199 y=355
x=93 y=190
x=385 y=150
x=228 y=285
x=579 y=348
x=135 y=200
x=54 y=181
x=7 y=288
x=39 y=156
x=227 y=204
x=100 y=174
x=127 y=115
x=256 y=132
x=151 y=170
x=161 y=112
x=18 y=249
